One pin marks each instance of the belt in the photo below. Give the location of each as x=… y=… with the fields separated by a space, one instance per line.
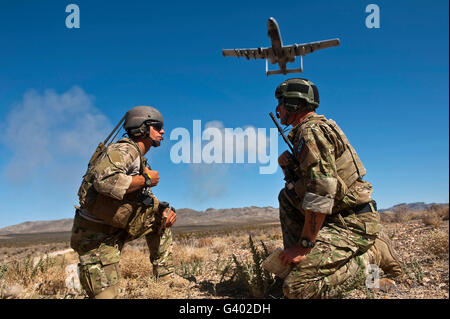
x=363 y=208
x=94 y=226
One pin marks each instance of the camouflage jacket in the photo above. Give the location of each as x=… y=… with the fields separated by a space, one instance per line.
x=113 y=172
x=103 y=194
x=329 y=171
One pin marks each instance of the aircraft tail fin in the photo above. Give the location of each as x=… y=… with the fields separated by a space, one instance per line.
x=300 y=70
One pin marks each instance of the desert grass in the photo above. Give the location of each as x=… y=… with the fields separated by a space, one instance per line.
x=432 y=219
x=135 y=264
x=436 y=243
x=28 y=278
x=227 y=264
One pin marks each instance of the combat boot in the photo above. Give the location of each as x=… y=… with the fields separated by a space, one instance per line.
x=167 y=276
x=382 y=254
x=108 y=293
x=174 y=281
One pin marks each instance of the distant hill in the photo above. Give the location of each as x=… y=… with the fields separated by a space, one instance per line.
x=50 y=226
x=411 y=206
x=190 y=217
x=185 y=217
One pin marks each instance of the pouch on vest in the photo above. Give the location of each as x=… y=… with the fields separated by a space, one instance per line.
x=142 y=221
x=115 y=212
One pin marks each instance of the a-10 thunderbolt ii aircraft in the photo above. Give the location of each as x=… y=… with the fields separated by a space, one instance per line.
x=280 y=53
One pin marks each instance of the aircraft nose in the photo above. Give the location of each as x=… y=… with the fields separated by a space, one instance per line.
x=272 y=22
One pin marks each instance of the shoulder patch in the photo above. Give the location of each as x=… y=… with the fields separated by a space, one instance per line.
x=300 y=146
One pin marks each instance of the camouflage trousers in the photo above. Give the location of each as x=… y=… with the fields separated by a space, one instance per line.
x=99 y=248
x=338 y=262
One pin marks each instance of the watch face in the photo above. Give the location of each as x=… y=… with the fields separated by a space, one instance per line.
x=307 y=244
x=148 y=180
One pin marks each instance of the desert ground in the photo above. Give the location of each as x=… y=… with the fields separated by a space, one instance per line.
x=224 y=263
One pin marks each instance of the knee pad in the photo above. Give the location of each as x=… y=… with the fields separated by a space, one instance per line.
x=96 y=278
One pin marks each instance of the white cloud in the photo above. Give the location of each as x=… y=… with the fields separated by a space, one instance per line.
x=210 y=181
x=45 y=129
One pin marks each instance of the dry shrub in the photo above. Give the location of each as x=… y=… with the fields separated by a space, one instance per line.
x=242 y=239
x=147 y=288
x=204 y=242
x=403 y=217
x=135 y=264
x=219 y=246
x=436 y=243
x=440 y=211
x=444 y=214
x=228 y=240
x=388 y=217
x=25 y=271
x=46 y=277
x=432 y=219
x=189 y=254
x=404 y=214
x=52 y=282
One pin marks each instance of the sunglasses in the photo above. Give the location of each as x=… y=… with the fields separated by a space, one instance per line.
x=156 y=125
x=289 y=100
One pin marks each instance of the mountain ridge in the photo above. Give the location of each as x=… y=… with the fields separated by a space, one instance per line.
x=191 y=217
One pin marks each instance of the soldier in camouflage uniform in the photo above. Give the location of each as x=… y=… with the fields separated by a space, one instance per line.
x=331 y=229
x=117 y=206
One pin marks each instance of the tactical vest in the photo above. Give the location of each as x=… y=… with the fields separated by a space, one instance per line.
x=349 y=166
x=114 y=212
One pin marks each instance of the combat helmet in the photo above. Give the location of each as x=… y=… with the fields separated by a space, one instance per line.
x=139 y=119
x=290 y=92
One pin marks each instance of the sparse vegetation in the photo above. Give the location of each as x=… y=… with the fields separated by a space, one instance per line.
x=226 y=263
x=249 y=273
x=437 y=243
x=413 y=270
x=432 y=219
x=433 y=216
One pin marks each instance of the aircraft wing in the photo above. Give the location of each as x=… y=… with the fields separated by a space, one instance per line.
x=259 y=53
x=305 y=48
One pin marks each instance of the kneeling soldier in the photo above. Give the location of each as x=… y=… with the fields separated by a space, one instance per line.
x=330 y=224
x=117 y=205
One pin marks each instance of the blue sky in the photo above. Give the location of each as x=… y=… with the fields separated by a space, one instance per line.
x=62 y=90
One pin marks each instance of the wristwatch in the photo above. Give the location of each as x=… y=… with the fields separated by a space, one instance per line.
x=306 y=243
x=148 y=180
